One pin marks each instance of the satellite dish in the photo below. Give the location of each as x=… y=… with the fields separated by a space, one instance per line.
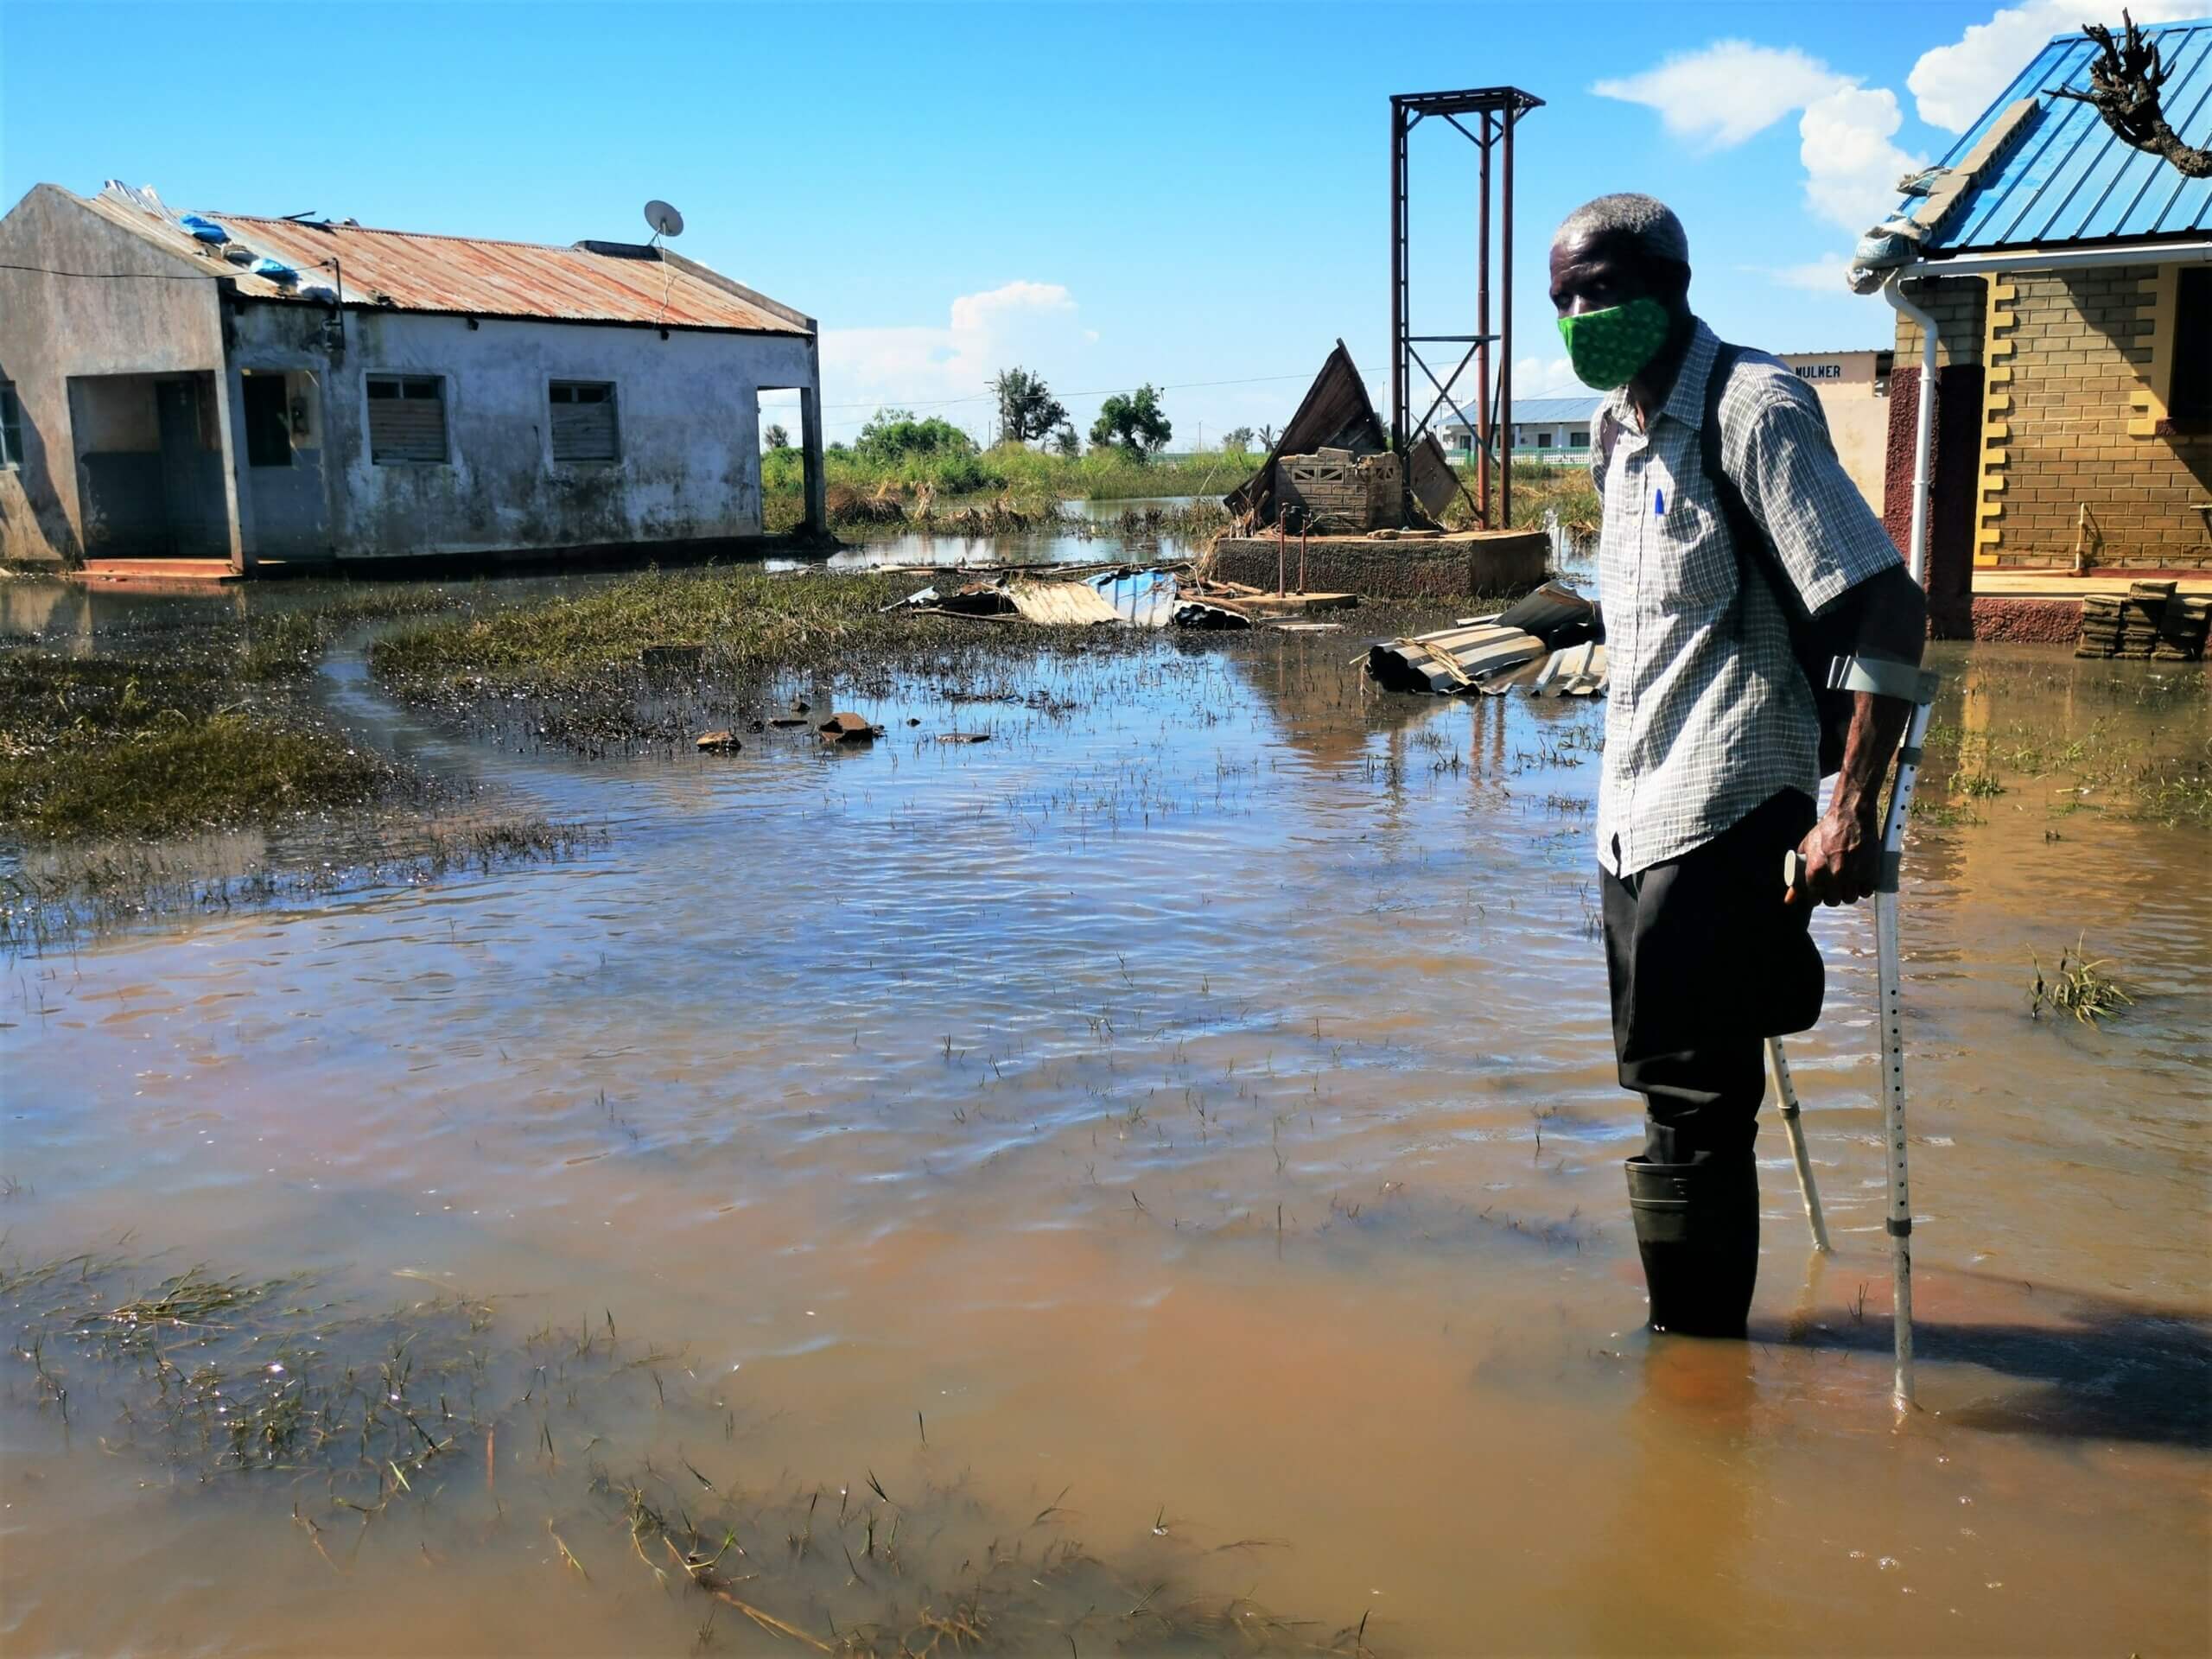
x=664 y=219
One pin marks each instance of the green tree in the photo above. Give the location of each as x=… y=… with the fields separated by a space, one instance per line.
x=1027 y=408
x=776 y=438
x=1066 y=441
x=1135 y=421
x=1237 y=438
x=1266 y=438
x=894 y=435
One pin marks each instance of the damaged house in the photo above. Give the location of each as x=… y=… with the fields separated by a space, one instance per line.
x=2053 y=281
x=284 y=391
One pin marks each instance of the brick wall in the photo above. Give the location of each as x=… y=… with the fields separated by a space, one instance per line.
x=1957 y=304
x=2072 y=358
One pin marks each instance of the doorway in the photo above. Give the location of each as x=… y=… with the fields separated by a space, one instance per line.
x=149 y=465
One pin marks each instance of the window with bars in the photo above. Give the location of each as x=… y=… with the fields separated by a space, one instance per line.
x=583 y=421
x=407 y=419
x=11 y=427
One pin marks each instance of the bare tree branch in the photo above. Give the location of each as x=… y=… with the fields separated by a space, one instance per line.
x=2124 y=83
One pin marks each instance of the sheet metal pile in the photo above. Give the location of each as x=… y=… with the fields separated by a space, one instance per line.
x=1548 y=642
x=1129 y=598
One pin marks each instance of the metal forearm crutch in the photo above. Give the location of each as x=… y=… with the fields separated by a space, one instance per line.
x=1916 y=686
x=1786 y=1093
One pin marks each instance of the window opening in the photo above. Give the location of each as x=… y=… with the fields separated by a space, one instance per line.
x=407 y=417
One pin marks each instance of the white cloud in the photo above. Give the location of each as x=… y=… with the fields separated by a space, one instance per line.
x=1955 y=84
x=1814 y=275
x=1542 y=377
x=1851 y=167
x=1728 y=91
x=1028 y=324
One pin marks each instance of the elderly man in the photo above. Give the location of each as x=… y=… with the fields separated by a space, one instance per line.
x=1728 y=521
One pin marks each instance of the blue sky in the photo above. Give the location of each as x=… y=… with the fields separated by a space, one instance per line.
x=1192 y=194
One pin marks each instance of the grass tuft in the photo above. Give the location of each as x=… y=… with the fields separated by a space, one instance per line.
x=2078 y=985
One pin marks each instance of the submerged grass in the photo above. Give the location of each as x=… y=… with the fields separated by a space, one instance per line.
x=366 y=1429
x=117 y=766
x=571 y=670
x=149 y=744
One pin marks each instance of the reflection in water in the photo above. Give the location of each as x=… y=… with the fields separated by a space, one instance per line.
x=1191 y=1111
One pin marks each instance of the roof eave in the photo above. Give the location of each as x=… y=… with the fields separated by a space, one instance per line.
x=2026 y=257
x=371 y=309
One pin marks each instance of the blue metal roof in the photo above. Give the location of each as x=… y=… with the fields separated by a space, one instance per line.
x=2069 y=180
x=1528 y=410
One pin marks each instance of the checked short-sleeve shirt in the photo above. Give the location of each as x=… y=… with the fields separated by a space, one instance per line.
x=1707 y=712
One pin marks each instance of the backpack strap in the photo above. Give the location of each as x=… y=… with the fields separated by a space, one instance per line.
x=1750 y=541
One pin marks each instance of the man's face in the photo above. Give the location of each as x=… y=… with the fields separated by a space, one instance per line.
x=1596 y=274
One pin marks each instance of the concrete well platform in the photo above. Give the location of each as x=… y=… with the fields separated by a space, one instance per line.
x=1458 y=566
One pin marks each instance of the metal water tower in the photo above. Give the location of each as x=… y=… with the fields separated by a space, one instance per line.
x=1494 y=111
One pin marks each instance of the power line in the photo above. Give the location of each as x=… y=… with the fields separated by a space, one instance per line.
x=119 y=275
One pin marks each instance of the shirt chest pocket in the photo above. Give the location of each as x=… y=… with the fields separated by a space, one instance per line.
x=1689 y=563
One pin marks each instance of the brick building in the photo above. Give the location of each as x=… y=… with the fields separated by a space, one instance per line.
x=2070 y=276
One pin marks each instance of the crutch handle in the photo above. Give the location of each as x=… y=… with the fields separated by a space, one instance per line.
x=1793 y=872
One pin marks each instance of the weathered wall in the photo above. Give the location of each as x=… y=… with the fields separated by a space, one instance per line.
x=686 y=409
x=129 y=308
x=1954 y=472
x=1858 y=420
x=1954 y=460
x=1459 y=567
x=2074 y=420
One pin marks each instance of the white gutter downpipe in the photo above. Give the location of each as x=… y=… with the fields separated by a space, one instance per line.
x=1924 y=433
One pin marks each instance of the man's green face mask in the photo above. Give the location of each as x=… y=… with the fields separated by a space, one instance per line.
x=1608 y=347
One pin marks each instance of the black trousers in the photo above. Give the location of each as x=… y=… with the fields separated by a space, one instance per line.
x=1704 y=964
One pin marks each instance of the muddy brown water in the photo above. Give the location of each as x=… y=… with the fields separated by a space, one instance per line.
x=1186 y=1118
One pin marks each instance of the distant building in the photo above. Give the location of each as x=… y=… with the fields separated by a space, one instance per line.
x=1853 y=387
x=2070 y=274
x=255 y=390
x=1543 y=428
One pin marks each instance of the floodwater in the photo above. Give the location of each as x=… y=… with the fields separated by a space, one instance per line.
x=1087 y=535
x=1183 y=1124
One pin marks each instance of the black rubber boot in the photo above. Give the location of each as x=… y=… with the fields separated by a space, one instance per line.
x=1697 y=1227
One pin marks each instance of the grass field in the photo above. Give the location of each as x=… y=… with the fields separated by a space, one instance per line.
x=1029 y=480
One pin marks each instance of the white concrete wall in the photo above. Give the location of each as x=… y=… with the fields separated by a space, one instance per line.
x=1858 y=420
x=687 y=407
x=101 y=301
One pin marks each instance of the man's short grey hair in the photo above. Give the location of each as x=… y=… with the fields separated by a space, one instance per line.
x=1645 y=220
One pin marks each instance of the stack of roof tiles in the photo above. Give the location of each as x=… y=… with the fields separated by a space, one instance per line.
x=2149 y=621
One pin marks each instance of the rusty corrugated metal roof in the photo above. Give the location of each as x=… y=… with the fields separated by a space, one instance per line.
x=593 y=282
x=605 y=281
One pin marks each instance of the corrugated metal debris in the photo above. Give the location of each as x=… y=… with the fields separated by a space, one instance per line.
x=1452 y=661
x=403 y=270
x=1125 y=598
x=1061 y=604
x=1545 y=640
